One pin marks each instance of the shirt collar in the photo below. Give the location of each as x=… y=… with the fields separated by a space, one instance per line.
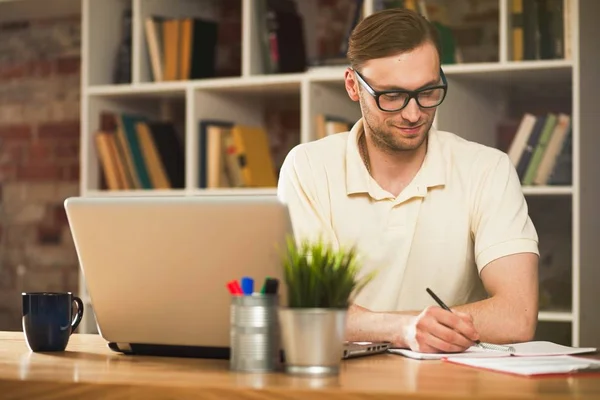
x=358 y=179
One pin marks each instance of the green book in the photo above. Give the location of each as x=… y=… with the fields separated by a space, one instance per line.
x=538 y=153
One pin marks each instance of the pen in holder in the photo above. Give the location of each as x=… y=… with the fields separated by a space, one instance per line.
x=254 y=336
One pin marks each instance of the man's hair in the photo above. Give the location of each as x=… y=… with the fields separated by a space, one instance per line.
x=389 y=32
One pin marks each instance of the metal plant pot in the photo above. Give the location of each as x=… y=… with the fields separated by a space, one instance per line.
x=312 y=339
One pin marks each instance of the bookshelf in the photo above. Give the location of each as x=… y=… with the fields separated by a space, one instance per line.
x=482 y=94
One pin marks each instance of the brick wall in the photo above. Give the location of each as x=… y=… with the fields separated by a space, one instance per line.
x=39 y=158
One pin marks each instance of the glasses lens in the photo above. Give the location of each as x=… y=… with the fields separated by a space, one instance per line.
x=392 y=101
x=431 y=97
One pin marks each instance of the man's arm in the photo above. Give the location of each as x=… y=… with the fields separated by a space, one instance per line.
x=507 y=255
x=509 y=315
x=432 y=330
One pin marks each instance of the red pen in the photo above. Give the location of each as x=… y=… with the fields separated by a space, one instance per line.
x=234 y=288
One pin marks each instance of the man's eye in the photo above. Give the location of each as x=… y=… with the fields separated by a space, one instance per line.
x=393 y=96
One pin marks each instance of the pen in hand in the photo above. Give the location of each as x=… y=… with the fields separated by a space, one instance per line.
x=478 y=342
x=443 y=305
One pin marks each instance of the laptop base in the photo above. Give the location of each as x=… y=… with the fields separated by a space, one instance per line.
x=160 y=350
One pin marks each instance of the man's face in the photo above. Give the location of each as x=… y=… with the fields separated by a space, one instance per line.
x=407 y=129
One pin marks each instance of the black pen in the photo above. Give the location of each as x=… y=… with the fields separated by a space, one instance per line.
x=442 y=304
x=484 y=345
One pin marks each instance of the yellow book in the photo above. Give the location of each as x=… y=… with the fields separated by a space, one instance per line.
x=156 y=169
x=252 y=144
x=107 y=161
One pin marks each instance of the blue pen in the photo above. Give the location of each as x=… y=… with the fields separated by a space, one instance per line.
x=247 y=285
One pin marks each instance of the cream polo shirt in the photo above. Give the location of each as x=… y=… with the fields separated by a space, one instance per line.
x=463 y=209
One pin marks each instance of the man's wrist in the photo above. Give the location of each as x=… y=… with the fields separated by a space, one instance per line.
x=376 y=326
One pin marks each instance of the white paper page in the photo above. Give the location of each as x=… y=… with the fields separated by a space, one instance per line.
x=531 y=365
x=527 y=349
x=470 y=352
x=542 y=348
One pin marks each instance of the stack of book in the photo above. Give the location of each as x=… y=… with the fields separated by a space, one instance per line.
x=181 y=49
x=541 y=149
x=234 y=155
x=138 y=153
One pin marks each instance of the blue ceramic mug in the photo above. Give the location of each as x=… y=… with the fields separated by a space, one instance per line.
x=48 y=320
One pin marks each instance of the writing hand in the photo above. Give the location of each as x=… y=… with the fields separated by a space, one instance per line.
x=436 y=330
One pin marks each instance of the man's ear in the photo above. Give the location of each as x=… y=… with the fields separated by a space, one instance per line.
x=351 y=84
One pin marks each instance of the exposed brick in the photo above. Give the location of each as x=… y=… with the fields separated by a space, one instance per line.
x=10 y=317
x=7 y=276
x=41 y=68
x=8 y=173
x=70 y=173
x=60 y=216
x=17 y=235
x=31 y=193
x=61 y=130
x=68 y=65
x=71 y=280
x=39 y=157
x=40 y=151
x=48 y=234
x=12 y=26
x=13 y=152
x=21 y=217
x=67 y=189
x=50 y=257
x=67 y=149
x=38 y=172
x=15 y=132
x=43 y=280
x=8 y=72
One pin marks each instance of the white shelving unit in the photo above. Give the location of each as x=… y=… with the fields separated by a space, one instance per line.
x=480 y=95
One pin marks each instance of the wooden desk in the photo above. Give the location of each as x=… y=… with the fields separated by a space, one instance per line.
x=88 y=370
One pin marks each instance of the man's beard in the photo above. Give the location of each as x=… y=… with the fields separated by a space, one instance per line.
x=390 y=142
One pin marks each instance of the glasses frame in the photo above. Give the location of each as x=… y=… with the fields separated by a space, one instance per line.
x=412 y=94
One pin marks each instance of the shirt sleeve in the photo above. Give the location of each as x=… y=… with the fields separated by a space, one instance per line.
x=297 y=188
x=501 y=225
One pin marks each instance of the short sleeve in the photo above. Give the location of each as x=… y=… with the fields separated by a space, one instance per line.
x=500 y=223
x=298 y=189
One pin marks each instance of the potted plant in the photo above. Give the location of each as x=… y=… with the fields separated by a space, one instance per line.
x=321 y=283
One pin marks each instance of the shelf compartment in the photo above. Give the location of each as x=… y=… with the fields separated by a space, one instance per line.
x=554 y=331
x=102 y=114
x=547 y=190
x=272 y=105
x=555 y=316
x=103 y=30
x=226 y=14
x=552 y=217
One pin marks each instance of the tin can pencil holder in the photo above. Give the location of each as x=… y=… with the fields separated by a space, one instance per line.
x=254 y=333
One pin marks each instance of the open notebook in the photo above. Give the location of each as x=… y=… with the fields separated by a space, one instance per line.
x=532 y=366
x=526 y=349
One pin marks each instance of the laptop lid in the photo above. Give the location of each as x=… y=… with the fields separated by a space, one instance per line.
x=156 y=268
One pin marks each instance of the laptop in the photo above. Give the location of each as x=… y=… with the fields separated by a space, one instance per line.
x=156 y=267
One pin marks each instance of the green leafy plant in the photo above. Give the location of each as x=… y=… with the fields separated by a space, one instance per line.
x=319 y=276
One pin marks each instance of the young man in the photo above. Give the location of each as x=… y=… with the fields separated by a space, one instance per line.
x=426 y=208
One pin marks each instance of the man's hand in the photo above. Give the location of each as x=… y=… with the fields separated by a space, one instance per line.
x=436 y=330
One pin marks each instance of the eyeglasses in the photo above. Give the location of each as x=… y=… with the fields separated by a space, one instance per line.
x=396 y=100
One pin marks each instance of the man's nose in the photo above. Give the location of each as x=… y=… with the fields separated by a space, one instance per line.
x=412 y=111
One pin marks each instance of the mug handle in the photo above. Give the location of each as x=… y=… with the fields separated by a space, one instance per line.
x=79 y=314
